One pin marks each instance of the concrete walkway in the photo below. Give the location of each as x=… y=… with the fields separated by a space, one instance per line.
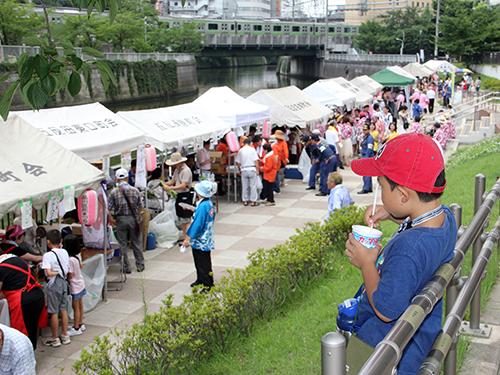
x=239 y=230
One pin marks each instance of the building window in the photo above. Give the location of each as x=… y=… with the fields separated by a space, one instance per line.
x=418 y=4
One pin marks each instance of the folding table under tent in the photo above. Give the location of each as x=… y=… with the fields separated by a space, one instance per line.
x=328 y=92
x=232 y=108
x=418 y=70
x=362 y=97
x=292 y=107
x=90 y=130
x=366 y=83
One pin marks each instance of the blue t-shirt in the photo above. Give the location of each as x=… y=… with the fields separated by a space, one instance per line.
x=405 y=265
x=201 y=229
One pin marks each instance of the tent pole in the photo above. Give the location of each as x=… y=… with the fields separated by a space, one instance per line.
x=105 y=245
x=163 y=154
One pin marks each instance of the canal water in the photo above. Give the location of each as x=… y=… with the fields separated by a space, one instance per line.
x=244 y=81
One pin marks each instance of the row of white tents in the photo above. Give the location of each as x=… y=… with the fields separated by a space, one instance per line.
x=57 y=138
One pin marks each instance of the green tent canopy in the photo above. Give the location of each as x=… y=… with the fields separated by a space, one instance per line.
x=387 y=77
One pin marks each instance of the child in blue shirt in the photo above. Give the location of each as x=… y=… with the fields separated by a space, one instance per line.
x=410 y=171
x=200 y=236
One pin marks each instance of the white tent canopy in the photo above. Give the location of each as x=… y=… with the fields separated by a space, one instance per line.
x=362 y=96
x=398 y=70
x=231 y=108
x=291 y=107
x=419 y=70
x=366 y=83
x=181 y=125
x=33 y=165
x=90 y=130
x=440 y=66
x=328 y=92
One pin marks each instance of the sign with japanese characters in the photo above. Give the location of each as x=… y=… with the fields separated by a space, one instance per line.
x=26 y=214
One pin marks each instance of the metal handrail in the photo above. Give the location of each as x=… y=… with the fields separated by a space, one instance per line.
x=432 y=363
x=388 y=352
x=459 y=116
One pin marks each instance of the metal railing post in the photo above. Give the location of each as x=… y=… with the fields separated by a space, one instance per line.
x=333 y=354
x=450 y=362
x=475 y=307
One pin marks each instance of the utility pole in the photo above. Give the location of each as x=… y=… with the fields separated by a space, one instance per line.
x=326 y=27
x=437 y=30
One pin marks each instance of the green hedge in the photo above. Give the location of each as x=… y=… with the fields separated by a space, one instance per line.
x=176 y=339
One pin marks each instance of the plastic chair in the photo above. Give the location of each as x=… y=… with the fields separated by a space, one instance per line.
x=117 y=261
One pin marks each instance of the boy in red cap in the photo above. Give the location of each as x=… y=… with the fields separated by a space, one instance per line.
x=410 y=171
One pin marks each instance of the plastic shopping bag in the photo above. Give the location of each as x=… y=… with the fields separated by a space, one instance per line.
x=304 y=165
x=163 y=226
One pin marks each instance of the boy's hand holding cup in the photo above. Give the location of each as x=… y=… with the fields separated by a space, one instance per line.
x=363 y=245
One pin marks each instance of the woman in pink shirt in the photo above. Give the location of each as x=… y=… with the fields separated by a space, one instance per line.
x=416 y=95
x=424 y=101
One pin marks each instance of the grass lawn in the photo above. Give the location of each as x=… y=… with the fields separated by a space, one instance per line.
x=289 y=341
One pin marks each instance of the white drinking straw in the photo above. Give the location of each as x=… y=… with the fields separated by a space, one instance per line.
x=374 y=205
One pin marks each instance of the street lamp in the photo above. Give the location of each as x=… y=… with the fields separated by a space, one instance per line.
x=402 y=45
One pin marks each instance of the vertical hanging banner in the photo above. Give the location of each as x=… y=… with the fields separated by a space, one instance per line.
x=140 y=172
x=105 y=166
x=69 y=198
x=26 y=214
x=52 y=208
x=126 y=160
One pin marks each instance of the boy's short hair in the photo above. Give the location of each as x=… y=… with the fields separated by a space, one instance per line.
x=424 y=197
x=54 y=236
x=335 y=177
x=410 y=160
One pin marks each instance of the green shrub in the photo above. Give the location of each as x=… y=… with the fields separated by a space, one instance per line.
x=175 y=339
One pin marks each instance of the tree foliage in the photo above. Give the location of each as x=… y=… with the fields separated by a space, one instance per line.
x=56 y=66
x=17 y=22
x=184 y=38
x=469 y=28
x=413 y=25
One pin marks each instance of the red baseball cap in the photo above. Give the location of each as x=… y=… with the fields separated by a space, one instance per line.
x=411 y=160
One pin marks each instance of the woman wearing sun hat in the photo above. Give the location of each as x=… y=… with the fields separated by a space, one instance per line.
x=200 y=236
x=181 y=183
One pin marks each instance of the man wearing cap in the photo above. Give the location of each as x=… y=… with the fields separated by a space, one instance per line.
x=367 y=152
x=181 y=183
x=327 y=164
x=248 y=164
x=283 y=154
x=313 y=153
x=125 y=206
x=200 y=236
x=410 y=171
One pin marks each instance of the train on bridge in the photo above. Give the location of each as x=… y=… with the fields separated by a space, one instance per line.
x=256 y=34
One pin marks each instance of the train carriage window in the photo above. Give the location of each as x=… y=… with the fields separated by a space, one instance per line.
x=267 y=27
x=239 y=27
x=277 y=28
x=354 y=30
x=339 y=29
x=232 y=27
x=213 y=26
x=304 y=29
x=295 y=29
x=257 y=27
x=331 y=29
x=322 y=29
x=286 y=29
x=347 y=29
x=224 y=26
x=247 y=27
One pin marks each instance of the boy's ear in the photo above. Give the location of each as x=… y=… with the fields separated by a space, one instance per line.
x=405 y=193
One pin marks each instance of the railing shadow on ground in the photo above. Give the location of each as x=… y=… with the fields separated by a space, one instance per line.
x=387 y=353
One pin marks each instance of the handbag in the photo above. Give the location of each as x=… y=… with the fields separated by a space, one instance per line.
x=138 y=220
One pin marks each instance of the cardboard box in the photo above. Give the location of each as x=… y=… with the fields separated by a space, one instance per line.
x=220 y=157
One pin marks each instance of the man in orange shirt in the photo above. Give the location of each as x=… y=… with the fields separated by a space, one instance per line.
x=270 y=171
x=222 y=147
x=283 y=154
